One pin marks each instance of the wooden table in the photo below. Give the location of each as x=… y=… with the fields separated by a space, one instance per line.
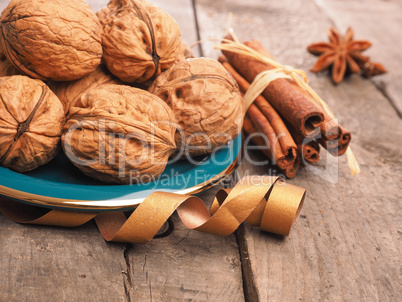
x=346 y=243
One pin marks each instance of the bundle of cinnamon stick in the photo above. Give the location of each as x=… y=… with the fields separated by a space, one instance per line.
x=284 y=120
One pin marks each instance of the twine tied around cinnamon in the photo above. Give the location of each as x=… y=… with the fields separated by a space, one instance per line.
x=279 y=71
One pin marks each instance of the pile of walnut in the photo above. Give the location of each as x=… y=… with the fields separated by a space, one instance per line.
x=76 y=79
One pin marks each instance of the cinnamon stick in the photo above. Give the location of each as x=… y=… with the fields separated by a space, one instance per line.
x=330 y=129
x=338 y=146
x=258 y=139
x=308 y=148
x=287 y=147
x=334 y=137
x=310 y=151
x=267 y=130
x=285 y=95
x=291 y=171
x=277 y=156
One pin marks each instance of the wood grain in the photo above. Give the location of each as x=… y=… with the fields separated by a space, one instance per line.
x=345 y=245
x=40 y=263
x=186 y=266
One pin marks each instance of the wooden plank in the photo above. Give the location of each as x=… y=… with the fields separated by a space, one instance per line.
x=186 y=266
x=379 y=22
x=345 y=245
x=51 y=263
x=40 y=263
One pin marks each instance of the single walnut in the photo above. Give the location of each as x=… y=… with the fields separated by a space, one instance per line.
x=55 y=40
x=31 y=120
x=70 y=91
x=206 y=102
x=119 y=134
x=139 y=39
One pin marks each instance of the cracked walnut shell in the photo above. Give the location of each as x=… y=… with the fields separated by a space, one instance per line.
x=139 y=39
x=206 y=102
x=31 y=121
x=57 y=40
x=119 y=134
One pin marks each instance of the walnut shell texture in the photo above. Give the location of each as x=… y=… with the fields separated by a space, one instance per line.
x=2 y=55
x=57 y=40
x=206 y=102
x=69 y=91
x=31 y=121
x=139 y=39
x=8 y=69
x=119 y=134
x=185 y=52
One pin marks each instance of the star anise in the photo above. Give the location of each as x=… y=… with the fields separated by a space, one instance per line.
x=367 y=67
x=343 y=53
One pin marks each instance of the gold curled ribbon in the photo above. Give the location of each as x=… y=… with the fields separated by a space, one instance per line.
x=264 y=201
x=262 y=81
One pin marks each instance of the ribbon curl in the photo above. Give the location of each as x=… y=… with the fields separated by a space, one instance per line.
x=264 y=201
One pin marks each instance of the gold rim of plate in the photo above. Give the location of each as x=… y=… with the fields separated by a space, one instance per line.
x=112 y=204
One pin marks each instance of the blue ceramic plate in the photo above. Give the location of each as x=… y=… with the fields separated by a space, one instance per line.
x=59 y=184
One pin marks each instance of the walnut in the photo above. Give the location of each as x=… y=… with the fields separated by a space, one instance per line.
x=119 y=134
x=31 y=121
x=55 y=40
x=139 y=39
x=185 y=52
x=206 y=102
x=8 y=69
x=69 y=91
